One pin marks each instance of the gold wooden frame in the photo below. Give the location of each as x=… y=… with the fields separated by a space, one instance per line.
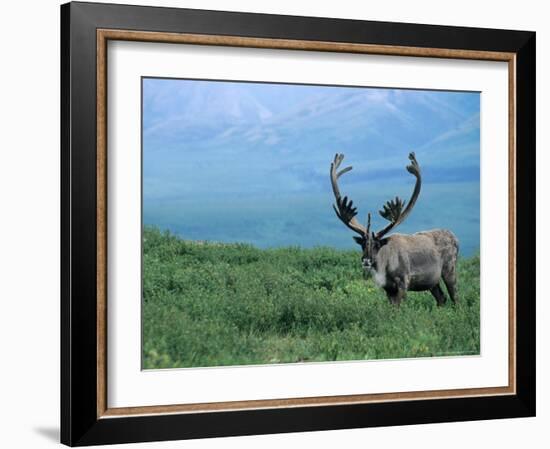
x=104 y=35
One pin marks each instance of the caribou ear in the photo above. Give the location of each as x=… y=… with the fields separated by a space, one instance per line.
x=359 y=240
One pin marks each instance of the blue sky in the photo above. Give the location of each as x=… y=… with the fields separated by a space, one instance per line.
x=248 y=162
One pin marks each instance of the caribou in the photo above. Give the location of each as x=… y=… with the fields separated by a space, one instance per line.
x=400 y=262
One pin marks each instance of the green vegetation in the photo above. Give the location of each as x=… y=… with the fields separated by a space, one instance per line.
x=211 y=304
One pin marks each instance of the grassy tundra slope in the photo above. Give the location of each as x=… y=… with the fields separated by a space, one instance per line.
x=208 y=304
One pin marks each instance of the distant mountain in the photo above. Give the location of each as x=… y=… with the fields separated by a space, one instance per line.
x=296 y=129
x=192 y=116
x=198 y=111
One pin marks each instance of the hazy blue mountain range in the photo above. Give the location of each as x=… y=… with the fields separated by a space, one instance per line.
x=249 y=162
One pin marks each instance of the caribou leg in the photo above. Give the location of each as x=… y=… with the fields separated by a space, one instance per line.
x=438 y=295
x=397 y=292
x=397 y=296
x=450 y=283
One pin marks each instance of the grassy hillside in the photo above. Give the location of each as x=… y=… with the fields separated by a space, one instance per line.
x=208 y=304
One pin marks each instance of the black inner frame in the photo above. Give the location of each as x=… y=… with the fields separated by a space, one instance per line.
x=79 y=422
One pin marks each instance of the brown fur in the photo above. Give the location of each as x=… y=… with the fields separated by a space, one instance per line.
x=416 y=262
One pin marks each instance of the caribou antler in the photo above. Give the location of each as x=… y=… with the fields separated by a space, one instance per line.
x=393 y=209
x=344 y=209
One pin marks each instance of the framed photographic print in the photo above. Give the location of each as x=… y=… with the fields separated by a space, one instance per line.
x=226 y=272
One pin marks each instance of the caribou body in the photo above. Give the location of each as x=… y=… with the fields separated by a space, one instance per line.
x=400 y=262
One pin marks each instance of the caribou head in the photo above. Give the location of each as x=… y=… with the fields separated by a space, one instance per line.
x=394 y=210
x=400 y=262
